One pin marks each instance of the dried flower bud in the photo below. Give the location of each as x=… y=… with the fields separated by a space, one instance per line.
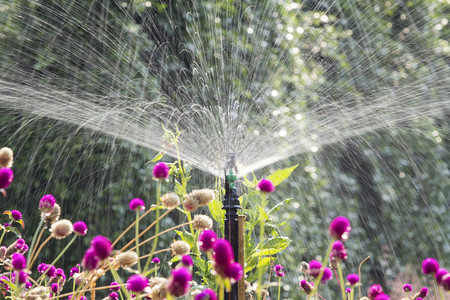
x=198 y=198
x=202 y=222
x=170 y=200
x=180 y=248
x=158 y=288
x=54 y=215
x=6 y=157
x=61 y=229
x=38 y=293
x=127 y=259
x=3 y=250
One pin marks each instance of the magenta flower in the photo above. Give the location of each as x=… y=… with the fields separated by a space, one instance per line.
x=74 y=271
x=348 y=291
x=160 y=171
x=207 y=294
x=28 y=285
x=90 y=260
x=137 y=283
x=430 y=265
x=382 y=297
x=102 y=246
x=54 y=288
x=439 y=274
x=266 y=186
x=22 y=276
x=156 y=260
x=80 y=228
x=445 y=282
x=6 y=177
x=3 y=283
x=314 y=268
x=223 y=253
x=42 y=268
x=278 y=268
x=423 y=292
x=280 y=274
x=60 y=273
x=187 y=261
x=113 y=296
x=407 y=288
x=353 y=278
x=115 y=286
x=46 y=203
x=338 y=251
x=51 y=271
x=234 y=271
x=137 y=204
x=16 y=215
x=179 y=282
x=206 y=240
x=374 y=290
x=340 y=228
x=327 y=275
x=19 y=262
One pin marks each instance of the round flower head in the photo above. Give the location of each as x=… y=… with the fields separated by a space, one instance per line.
x=6 y=157
x=90 y=260
x=234 y=271
x=137 y=283
x=51 y=271
x=113 y=296
x=180 y=248
x=3 y=283
x=16 y=215
x=61 y=229
x=266 y=186
x=54 y=215
x=206 y=240
x=187 y=261
x=445 y=282
x=353 y=278
x=382 y=297
x=102 y=246
x=278 y=268
x=6 y=177
x=306 y=287
x=407 y=288
x=3 y=250
x=19 y=262
x=170 y=200
x=327 y=275
x=280 y=274
x=42 y=268
x=202 y=222
x=423 y=292
x=46 y=203
x=114 y=286
x=74 y=271
x=374 y=290
x=160 y=171
x=127 y=259
x=156 y=260
x=340 y=228
x=198 y=198
x=178 y=284
x=223 y=253
x=80 y=228
x=28 y=285
x=314 y=268
x=137 y=204
x=439 y=274
x=430 y=265
x=338 y=251
x=207 y=294
x=54 y=288
x=21 y=275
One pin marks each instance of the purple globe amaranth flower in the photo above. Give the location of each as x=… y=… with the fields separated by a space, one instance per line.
x=407 y=288
x=179 y=282
x=114 y=286
x=6 y=177
x=338 y=251
x=430 y=265
x=113 y=296
x=156 y=260
x=137 y=204
x=340 y=228
x=445 y=282
x=28 y=285
x=74 y=271
x=20 y=244
x=60 y=273
x=207 y=294
x=46 y=203
x=160 y=171
x=137 y=283
x=439 y=274
x=42 y=268
x=16 y=215
x=206 y=240
x=80 y=228
x=3 y=283
x=418 y=298
x=234 y=271
x=278 y=268
x=327 y=275
x=187 y=261
x=266 y=186
x=90 y=260
x=306 y=286
x=223 y=253
x=348 y=291
x=102 y=246
x=382 y=297
x=280 y=274
x=314 y=268
x=54 y=288
x=19 y=262
x=51 y=271
x=353 y=278
x=423 y=292
x=374 y=290
x=21 y=277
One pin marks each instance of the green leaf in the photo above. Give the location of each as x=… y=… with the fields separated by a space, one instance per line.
x=157 y=157
x=265 y=262
x=278 y=206
x=273 y=246
x=217 y=213
x=262 y=214
x=280 y=175
x=187 y=237
x=15 y=231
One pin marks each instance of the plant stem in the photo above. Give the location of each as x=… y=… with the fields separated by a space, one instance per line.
x=33 y=241
x=37 y=242
x=436 y=287
x=155 y=242
x=261 y=238
x=159 y=234
x=359 y=273
x=341 y=279
x=279 y=288
x=137 y=238
x=324 y=263
x=38 y=251
x=64 y=250
x=3 y=235
x=221 y=290
x=119 y=280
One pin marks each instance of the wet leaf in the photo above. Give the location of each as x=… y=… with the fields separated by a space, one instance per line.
x=280 y=175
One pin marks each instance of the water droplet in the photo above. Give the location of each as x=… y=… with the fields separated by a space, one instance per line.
x=282 y=132
x=401 y=175
x=298 y=117
x=314 y=149
x=300 y=30
x=148 y=4
x=438 y=139
x=435 y=133
x=274 y=93
x=250 y=30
